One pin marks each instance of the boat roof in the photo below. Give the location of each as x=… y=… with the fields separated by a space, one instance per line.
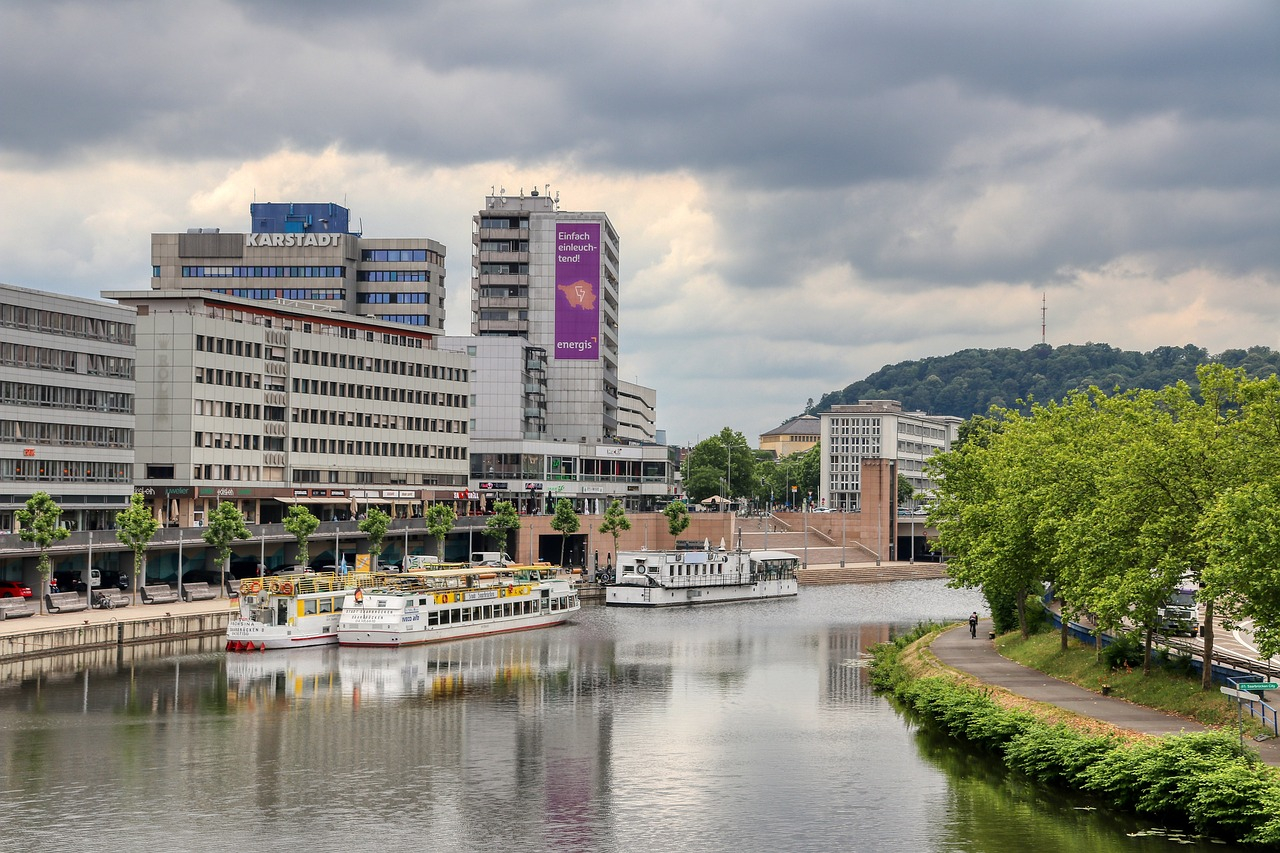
x=755 y=555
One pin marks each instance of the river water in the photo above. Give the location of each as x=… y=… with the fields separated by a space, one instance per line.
x=738 y=728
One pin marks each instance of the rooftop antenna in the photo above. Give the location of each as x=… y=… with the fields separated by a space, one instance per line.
x=1044 y=311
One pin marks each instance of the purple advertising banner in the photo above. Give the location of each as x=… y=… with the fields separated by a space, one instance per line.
x=578 y=290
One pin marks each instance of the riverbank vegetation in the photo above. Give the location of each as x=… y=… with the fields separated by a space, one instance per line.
x=1114 y=500
x=1202 y=781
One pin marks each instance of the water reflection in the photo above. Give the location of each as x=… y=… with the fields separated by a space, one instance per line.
x=735 y=728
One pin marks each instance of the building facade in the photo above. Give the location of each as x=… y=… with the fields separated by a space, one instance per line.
x=271 y=404
x=307 y=253
x=878 y=429
x=551 y=277
x=67 y=406
x=797 y=435
x=637 y=412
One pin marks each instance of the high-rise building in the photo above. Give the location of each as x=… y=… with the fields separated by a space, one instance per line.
x=551 y=277
x=307 y=253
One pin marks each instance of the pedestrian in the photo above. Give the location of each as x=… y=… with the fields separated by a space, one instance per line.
x=973 y=624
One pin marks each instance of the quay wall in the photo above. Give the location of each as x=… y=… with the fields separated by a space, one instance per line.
x=111 y=634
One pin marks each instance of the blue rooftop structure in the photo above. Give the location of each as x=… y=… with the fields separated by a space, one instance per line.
x=308 y=218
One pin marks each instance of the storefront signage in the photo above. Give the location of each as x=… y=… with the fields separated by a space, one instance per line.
x=533 y=487
x=287 y=241
x=493 y=487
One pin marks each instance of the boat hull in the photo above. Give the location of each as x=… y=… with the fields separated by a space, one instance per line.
x=395 y=636
x=247 y=634
x=687 y=596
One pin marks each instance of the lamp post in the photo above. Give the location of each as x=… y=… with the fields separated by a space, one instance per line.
x=804 y=515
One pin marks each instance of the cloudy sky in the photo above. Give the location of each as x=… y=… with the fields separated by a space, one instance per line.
x=805 y=190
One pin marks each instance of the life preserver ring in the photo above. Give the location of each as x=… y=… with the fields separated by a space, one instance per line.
x=359 y=595
x=286 y=588
x=254 y=586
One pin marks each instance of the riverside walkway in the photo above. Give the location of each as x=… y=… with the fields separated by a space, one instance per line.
x=979 y=658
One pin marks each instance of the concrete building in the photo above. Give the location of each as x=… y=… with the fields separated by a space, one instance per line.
x=551 y=277
x=66 y=406
x=508 y=386
x=270 y=404
x=797 y=435
x=308 y=253
x=877 y=429
x=637 y=413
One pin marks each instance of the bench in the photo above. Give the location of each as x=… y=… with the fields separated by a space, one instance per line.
x=198 y=591
x=111 y=597
x=64 y=602
x=158 y=594
x=13 y=608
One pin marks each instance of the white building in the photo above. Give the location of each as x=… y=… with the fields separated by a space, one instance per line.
x=275 y=403
x=66 y=405
x=878 y=429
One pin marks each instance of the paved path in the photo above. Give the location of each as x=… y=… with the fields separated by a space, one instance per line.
x=979 y=658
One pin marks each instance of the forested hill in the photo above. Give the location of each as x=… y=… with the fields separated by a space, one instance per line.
x=971 y=381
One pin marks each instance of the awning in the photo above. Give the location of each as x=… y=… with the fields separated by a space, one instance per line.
x=311 y=500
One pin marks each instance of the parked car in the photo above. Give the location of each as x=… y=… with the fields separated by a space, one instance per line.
x=72 y=581
x=14 y=589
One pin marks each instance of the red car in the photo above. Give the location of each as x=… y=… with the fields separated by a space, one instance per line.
x=13 y=589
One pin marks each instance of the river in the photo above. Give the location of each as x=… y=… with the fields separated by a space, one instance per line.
x=736 y=728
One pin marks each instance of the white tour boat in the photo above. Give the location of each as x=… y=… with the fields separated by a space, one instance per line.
x=291 y=612
x=670 y=578
x=452 y=604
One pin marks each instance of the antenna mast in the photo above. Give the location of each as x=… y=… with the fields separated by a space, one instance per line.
x=1044 y=310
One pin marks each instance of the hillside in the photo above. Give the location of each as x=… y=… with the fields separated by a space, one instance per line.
x=971 y=381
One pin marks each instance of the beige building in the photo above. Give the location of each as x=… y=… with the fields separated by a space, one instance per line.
x=797 y=435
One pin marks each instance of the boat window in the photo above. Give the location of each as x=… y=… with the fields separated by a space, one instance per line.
x=309 y=607
x=433 y=617
x=326 y=605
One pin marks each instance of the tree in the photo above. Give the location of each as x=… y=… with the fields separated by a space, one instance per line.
x=301 y=522
x=677 y=517
x=905 y=490
x=615 y=521
x=374 y=525
x=136 y=526
x=440 y=520
x=721 y=465
x=501 y=523
x=225 y=525
x=566 y=522
x=38 y=522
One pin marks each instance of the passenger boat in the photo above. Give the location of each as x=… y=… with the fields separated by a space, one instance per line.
x=451 y=604
x=291 y=612
x=671 y=578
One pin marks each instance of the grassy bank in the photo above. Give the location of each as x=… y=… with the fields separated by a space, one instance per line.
x=1170 y=689
x=1202 y=781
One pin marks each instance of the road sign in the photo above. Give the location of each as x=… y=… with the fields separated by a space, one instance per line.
x=1238 y=694
x=1257 y=685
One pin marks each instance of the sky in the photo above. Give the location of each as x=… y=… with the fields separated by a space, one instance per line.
x=805 y=191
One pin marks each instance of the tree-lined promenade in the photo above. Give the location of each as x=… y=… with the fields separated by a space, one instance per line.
x=1113 y=499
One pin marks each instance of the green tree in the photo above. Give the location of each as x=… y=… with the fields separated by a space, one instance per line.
x=614 y=523
x=225 y=525
x=38 y=522
x=501 y=523
x=723 y=464
x=440 y=520
x=301 y=522
x=136 y=526
x=565 y=521
x=677 y=517
x=375 y=525
x=905 y=490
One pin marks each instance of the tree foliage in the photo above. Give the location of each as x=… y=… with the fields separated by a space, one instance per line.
x=136 y=526
x=615 y=522
x=39 y=523
x=440 y=520
x=677 y=517
x=301 y=522
x=225 y=525
x=375 y=525
x=502 y=522
x=566 y=522
x=723 y=464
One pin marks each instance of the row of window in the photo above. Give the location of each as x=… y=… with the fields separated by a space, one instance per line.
x=224 y=408
x=393 y=275
x=504 y=269
x=70 y=325
x=233 y=378
x=393 y=298
x=353 y=391
x=370 y=420
x=68 y=435
x=498 y=315
x=338 y=329
x=407 y=319
x=401 y=256
x=62 y=397
x=512 y=222
x=486 y=612
x=264 y=272
x=504 y=245
x=37 y=358
x=238 y=441
x=388 y=449
x=250 y=473
x=325 y=358
x=504 y=291
x=306 y=294
x=52 y=470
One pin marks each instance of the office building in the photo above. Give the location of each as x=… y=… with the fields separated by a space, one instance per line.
x=66 y=406
x=275 y=403
x=307 y=253
x=878 y=429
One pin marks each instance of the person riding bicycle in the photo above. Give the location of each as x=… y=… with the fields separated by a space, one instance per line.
x=973 y=624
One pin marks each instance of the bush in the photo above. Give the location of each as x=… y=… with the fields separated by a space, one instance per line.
x=1126 y=651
